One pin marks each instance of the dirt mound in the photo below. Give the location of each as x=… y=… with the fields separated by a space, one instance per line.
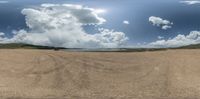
x=42 y=74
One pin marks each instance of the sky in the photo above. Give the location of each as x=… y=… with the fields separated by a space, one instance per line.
x=100 y=23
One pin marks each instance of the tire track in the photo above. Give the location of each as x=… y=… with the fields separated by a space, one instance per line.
x=82 y=81
x=57 y=67
x=99 y=66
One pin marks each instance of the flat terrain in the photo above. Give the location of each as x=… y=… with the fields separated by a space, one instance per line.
x=45 y=74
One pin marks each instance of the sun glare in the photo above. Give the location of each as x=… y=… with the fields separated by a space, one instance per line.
x=100 y=11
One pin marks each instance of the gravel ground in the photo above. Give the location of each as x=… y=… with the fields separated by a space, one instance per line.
x=45 y=74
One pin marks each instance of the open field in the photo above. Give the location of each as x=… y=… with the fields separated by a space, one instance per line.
x=45 y=74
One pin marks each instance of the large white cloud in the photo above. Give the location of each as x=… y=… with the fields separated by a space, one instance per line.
x=180 y=40
x=159 y=22
x=190 y=2
x=61 y=25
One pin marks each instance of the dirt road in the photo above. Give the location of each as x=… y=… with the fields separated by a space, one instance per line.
x=42 y=74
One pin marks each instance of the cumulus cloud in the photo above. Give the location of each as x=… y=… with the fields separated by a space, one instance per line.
x=180 y=40
x=126 y=22
x=3 y=2
x=159 y=22
x=61 y=25
x=190 y=2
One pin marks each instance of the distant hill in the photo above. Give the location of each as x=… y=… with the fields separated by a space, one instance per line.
x=25 y=46
x=29 y=46
x=192 y=46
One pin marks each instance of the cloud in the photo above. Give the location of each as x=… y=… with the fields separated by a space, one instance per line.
x=165 y=27
x=159 y=22
x=126 y=22
x=3 y=2
x=2 y=37
x=160 y=37
x=190 y=2
x=180 y=40
x=61 y=25
x=2 y=34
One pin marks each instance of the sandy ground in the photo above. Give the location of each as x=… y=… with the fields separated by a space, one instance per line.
x=42 y=74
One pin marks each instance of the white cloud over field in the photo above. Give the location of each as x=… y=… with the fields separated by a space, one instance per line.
x=61 y=25
x=180 y=40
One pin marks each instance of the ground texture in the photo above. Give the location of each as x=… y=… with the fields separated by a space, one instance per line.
x=42 y=74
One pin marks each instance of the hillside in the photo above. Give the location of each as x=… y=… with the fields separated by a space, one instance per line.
x=192 y=46
x=29 y=46
x=25 y=46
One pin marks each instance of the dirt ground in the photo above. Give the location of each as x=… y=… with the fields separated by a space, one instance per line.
x=42 y=74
